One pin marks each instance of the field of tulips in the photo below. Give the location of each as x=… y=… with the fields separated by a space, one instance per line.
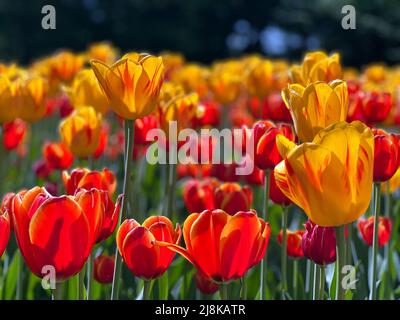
x=91 y=211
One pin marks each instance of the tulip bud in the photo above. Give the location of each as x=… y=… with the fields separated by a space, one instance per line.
x=4 y=230
x=376 y=106
x=386 y=154
x=198 y=195
x=231 y=197
x=275 y=193
x=14 y=133
x=142 y=127
x=293 y=244
x=274 y=108
x=103 y=271
x=366 y=228
x=57 y=156
x=42 y=169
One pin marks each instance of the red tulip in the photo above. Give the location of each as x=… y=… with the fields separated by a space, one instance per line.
x=193 y=170
x=103 y=140
x=225 y=172
x=376 y=106
x=56 y=231
x=205 y=285
x=4 y=230
x=293 y=244
x=275 y=194
x=198 y=195
x=142 y=127
x=255 y=178
x=103 y=271
x=319 y=243
x=208 y=115
x=275 y=109
x=366 y=228
x=231 y=197
x=386 y=154
x=14 y=133
x=58 y=155
x=355 y=107
x=83 y=178
x=223 y=247
x=136 y=244
x=42 y=169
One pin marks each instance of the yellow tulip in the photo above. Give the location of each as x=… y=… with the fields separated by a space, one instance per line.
x=331 y=177
x=102 y=51
x=80 y=131
x=192 y=77
x=225 y=81
x=132 y=84
x=317 y=66
x=64 y=65
x=260 y=78
x=7 y=95
x=86 y=91
x=316 y=106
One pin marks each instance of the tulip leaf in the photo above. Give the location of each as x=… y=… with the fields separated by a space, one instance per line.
x=11 y=278
x=163 y=286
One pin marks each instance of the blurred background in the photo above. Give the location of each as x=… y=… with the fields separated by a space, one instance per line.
x=205 y=30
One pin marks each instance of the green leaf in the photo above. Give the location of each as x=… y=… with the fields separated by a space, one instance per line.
x=163 y=286
x=11 y=277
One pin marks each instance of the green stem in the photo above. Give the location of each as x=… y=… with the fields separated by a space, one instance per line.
x=56 y=294
x=377 y=202
x=340 y=261
x=129 y=138
x=147 y=284
x=284 y=251
x=243 y=288
x=170 y=212
x=295 y=276
x=263 y=278
x=317 y=282
x=223 y=291
x=322 y=283
x=20 y=277
x=81 y=286
x=311 y=280
x=387 y=251
x=89 y=274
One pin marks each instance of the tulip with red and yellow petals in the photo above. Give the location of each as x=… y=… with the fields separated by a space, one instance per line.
x=386 y=154
x=132 y=84
x=103 y=271
x=366 y=228
x=102 y=51
x=231 y=197
x=293 y=245
x=80 y=131
x=14 y=133
x=137 y=245
x=223 y=247
x=64 y=65
x=57 y=155
x=338 y=164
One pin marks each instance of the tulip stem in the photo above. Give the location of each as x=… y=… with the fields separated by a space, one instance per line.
x=129 y=138
x=263 y=278
x=223 y=291
x=295 y=276
x=81 y=286
x=147 y=284
x=377 y=204
x=56 y=293
x=340 y=261
x=171 y=190
x=284 y=251
x=388 y=252
x=322 y=283
x=89 y=274
x=317 y=281
x=20 y=277
x=243 y=288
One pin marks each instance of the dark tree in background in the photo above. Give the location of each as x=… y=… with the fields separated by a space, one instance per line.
x=204 y=30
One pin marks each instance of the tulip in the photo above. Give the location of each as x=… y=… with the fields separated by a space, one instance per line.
x=316 y=106
x=103 y=140
x=7 y=97
x=319 y=243
x=42 y=169
x=207 y=115
x=14 y=133
x=259 y=78
x=225 y=172
x=198 y=195
x=366 y=228
x=275 y=194
x=104 y=269
x=386 y=154
x=4 y=230
x=172 y=63
x=135 y=240
x=205 y=285
x=225 y=81
x=339 y=162
x=85 y=91
x=57 y=155
x=376 y=106
x=293 y=246
x=64 y=65
x=142 y=128
x=80 y=131
x=274 y=108
x=192 y=78
x=223 y=247
x=56 y=231
x=86 y=179
x=393 y=183
x=102 y=51
x=317 y=66
x=132 y=84
x=231 y=197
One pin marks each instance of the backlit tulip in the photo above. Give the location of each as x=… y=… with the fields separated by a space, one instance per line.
x=132 y=84
x=317 y=66
x=86 y=91
x=330 y=178
x=64 y=65
x=56 y=231
x=57 y=155
x=103 y=270
x=102 y=51
x=316 y=106
x=80 y=131
x=223 y=247
x=293 y=245
x=231 y=197
x=192 y=78
x=138 y=241
x=386 y=154
x=7 y=96
x=205 y=285
x=366 y=228
x=4 y=230
x=103 y=140
x=198 y=195
x=14 y=133
x=142 y=127
x=319 y=243
x=225 y=81
x=207 y=114
x=376 y=106
x=274 y=108
x=275 y=193
x=259 y=78
x=30 y=99
x=83 y=178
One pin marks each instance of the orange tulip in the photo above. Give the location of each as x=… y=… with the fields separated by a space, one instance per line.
x=135 y=240
x=231 y=197
x=14 y=133
x=366 y=228
x=57 y=155
x=293 y=246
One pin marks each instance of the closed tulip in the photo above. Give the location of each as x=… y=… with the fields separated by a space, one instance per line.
x=274 y=108
x=57 y=155
x=64 y=65
x=386 y=154
x=259 y=78
x=293 y=245
x=316 y=106
x=138 y=241
x=376 y=106
x=225 y=81
x=223 y=247
x=231 y=197
x=102 y=51
x=132 y=84
x=4 y=230
x=7 y=95
x=80 y=131
x=319 y=243
x=275 y=193
x=198 y=195
x=103 y=271
x=366 y=228
x=142 y=128
x=330 y=178
x=14 y=133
